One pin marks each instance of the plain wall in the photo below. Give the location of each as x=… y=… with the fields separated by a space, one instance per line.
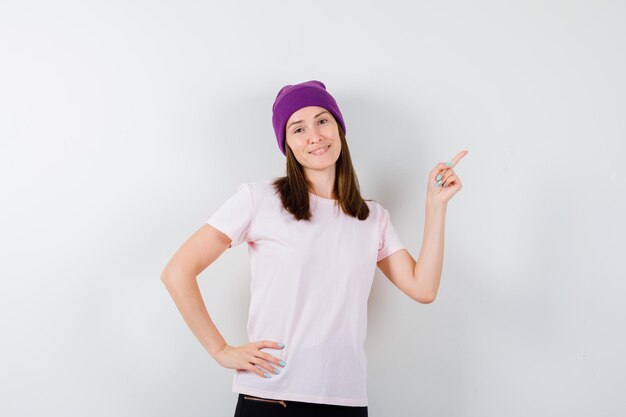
x=124 y=125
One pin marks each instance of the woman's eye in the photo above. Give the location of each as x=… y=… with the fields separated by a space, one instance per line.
x=321 y=120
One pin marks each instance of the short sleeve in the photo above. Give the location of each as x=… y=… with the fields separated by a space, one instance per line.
x=389 y=241
x=234 y=217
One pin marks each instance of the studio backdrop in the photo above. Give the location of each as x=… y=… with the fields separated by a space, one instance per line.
x=125 y=124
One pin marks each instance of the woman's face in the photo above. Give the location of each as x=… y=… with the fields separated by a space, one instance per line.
x=309 y=129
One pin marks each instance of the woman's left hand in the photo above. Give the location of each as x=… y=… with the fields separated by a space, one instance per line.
x=443 y=183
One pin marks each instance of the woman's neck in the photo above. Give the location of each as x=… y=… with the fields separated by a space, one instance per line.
x=322 y=183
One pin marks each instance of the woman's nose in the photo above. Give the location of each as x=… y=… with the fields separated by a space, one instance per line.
x=316 y=136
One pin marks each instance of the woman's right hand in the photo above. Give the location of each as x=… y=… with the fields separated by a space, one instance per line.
x=246 y=356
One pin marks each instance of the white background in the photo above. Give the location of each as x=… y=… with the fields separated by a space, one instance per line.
x=125 y=124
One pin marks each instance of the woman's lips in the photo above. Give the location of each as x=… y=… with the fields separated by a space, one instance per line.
x=321 y=151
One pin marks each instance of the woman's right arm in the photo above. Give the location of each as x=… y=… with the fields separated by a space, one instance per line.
x=200 y=250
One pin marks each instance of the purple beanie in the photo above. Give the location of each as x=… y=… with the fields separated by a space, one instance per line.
x=291 y=98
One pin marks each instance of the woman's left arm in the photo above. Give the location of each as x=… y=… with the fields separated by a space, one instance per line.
x=420 y=279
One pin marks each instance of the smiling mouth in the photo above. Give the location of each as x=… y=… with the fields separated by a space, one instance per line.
x=320 y=151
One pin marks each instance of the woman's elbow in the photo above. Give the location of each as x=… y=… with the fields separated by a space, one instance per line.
x=425 y=299
x=170 y=274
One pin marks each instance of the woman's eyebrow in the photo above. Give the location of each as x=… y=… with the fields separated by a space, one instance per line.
x=300 y=121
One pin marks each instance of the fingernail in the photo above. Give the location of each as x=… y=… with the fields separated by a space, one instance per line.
x=281 y=345
x=276 y=371
x=449 y=164
x=266 y=375
x=282 y=363
x=438 y=177
x=438 y=182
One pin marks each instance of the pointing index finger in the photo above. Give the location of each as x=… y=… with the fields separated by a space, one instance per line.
x=458 y=157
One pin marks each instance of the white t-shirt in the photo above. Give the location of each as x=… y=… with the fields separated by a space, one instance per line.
x=310 y=283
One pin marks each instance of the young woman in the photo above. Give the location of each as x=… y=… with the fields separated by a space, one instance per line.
x=314 y=245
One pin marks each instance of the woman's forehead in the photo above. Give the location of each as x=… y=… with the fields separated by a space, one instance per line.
x=306 y=112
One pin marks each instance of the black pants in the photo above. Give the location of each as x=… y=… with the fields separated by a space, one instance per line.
x=253 y=406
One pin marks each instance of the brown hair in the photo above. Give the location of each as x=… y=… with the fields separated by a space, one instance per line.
x=294 y=187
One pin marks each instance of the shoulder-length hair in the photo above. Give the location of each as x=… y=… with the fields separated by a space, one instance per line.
x=294 y=187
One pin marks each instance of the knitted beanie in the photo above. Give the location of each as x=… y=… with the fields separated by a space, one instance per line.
x=291 y=98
